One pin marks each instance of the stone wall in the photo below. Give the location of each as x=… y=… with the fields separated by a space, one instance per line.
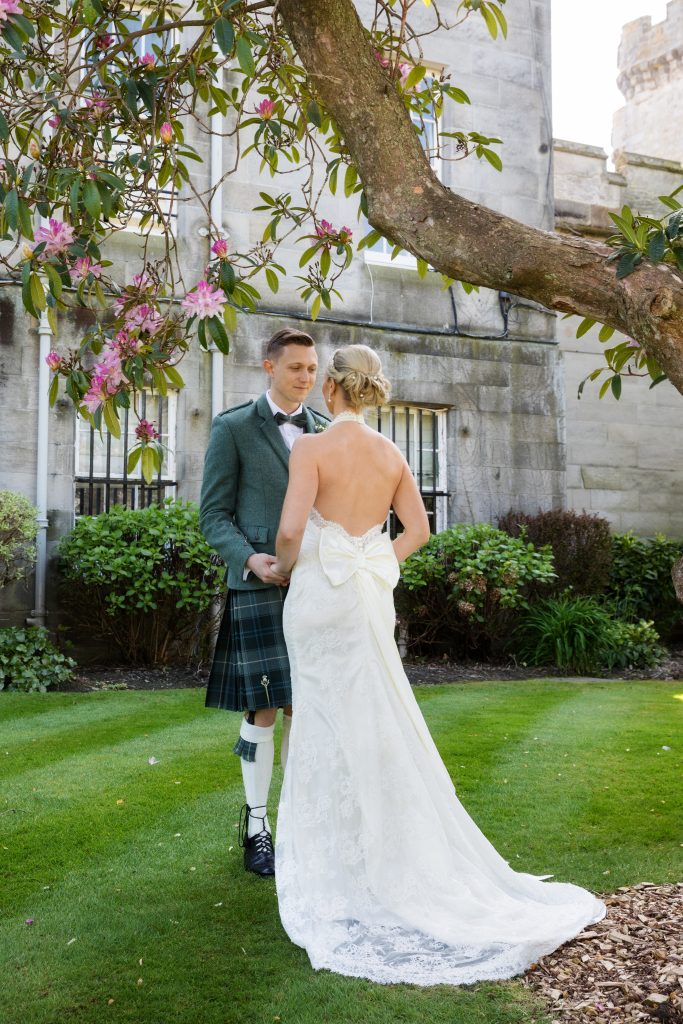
x=623 y=458
x=651 y=80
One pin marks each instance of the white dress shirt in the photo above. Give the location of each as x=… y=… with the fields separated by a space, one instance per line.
x=289 y=431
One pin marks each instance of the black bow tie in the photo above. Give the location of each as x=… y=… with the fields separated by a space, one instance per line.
x=298 y=419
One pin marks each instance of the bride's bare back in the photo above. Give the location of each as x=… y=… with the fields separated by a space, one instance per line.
x=353 y=476
x=359 y=472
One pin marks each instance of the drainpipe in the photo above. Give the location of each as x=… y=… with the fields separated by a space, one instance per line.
x=39 y=613
x=216 y=211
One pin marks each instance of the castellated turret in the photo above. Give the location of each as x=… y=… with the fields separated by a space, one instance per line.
x=651 y=80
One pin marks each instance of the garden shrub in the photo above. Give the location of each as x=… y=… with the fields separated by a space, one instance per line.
x=29 y=661
x=145 y=580
x=18 y=529
x=640 y=584
x=579 y=634
x=581 y=543
x=462 y=592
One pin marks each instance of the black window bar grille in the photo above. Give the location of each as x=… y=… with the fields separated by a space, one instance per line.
x=423 y=454
x=97 y=492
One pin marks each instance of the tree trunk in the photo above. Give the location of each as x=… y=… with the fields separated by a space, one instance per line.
x=462 y=239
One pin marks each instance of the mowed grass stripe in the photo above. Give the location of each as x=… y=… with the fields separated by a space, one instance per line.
x=184 y=903
x=87 y=721
x=574 y=789
x=71 y=807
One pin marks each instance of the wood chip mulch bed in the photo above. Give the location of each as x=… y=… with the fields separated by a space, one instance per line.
x=625 y=969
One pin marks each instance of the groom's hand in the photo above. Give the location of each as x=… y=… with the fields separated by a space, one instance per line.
x=261 y=566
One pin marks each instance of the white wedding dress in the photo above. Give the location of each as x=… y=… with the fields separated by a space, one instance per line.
x=380 y=871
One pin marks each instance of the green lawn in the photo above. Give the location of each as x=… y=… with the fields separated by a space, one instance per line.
x=133 y=878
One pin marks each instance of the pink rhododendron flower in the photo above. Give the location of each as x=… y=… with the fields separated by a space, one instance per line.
x=148 y=60
x=220 y=248
x=105 y=381
x=55 y=120
x=9 y=7
x=104 y=41
x=166 y=132
x=634 y=344
x=265 y=109
x=126 y=345
x=145 y=432
x=144 y=318
x=56 y=237
x=97 y=105
x=324 y=229
x=204 y=301
x=143 y=281
x=84 y=266
x=345 y=235
x=53 y=360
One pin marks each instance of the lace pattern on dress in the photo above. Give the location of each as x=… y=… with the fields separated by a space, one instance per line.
x=360 y=542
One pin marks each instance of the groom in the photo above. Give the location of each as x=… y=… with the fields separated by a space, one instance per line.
x=243 y=490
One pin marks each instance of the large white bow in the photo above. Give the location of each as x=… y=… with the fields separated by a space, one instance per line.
x=341 y=558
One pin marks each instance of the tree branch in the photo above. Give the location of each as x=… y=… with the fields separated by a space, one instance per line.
x=462 y=239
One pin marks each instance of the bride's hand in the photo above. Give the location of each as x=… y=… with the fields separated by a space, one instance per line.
x=280 y=570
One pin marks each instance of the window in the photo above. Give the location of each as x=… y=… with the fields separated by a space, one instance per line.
x=101 y=479
x=420 y=433
x=428 y=128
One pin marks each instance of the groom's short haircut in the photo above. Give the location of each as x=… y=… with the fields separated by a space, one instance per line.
x=284 y=337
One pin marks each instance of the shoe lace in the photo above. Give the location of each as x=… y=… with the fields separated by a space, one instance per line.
x=263 y=842
x=247 y=812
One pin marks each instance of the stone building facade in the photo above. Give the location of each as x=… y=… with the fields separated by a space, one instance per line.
x=483 y=383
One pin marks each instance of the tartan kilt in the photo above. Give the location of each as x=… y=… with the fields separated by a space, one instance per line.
x=250 y=667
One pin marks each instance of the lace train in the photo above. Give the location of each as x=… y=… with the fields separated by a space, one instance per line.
x=380 y=871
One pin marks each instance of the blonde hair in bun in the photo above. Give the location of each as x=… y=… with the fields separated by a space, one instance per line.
x=358 y=371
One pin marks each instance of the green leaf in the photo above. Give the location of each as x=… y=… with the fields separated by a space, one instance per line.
x=313 y=113
x=37 y=293
x=628 y=263
x=53 y=390
x=606 y=333
x=174 y=377
x=111 y=419
x=25 y=219
x=616 y=387
x=11 y=206
x=26 y=290
x=369 y=240
x=309 y=254
x=225 y=35
x=325 y=261
x=500 y=17
x=227 y=277
x=245 y=57
x=218 y=334
x=350 y=179
x=491 y=23
x=656 y=247
x=415 y=77
x=422 y=268
x=315 y=308
x=4 y=128
x=133 y=459
x=230 y=318
x=493 y=158
x=148 y=464
x=91 y=198
x=272 y=279
x=584 y=327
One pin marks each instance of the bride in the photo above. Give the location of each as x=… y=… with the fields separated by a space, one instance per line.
x=380 y=871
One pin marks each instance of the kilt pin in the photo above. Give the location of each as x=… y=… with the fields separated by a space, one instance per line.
x=243 y=490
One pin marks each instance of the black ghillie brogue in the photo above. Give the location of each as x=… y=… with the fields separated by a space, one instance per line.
x=259 y=855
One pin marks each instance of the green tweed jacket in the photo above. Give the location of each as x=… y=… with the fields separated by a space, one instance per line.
x=244 y=485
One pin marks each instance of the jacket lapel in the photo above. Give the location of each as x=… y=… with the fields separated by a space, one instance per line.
x=310 y=421
x=271 y=431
